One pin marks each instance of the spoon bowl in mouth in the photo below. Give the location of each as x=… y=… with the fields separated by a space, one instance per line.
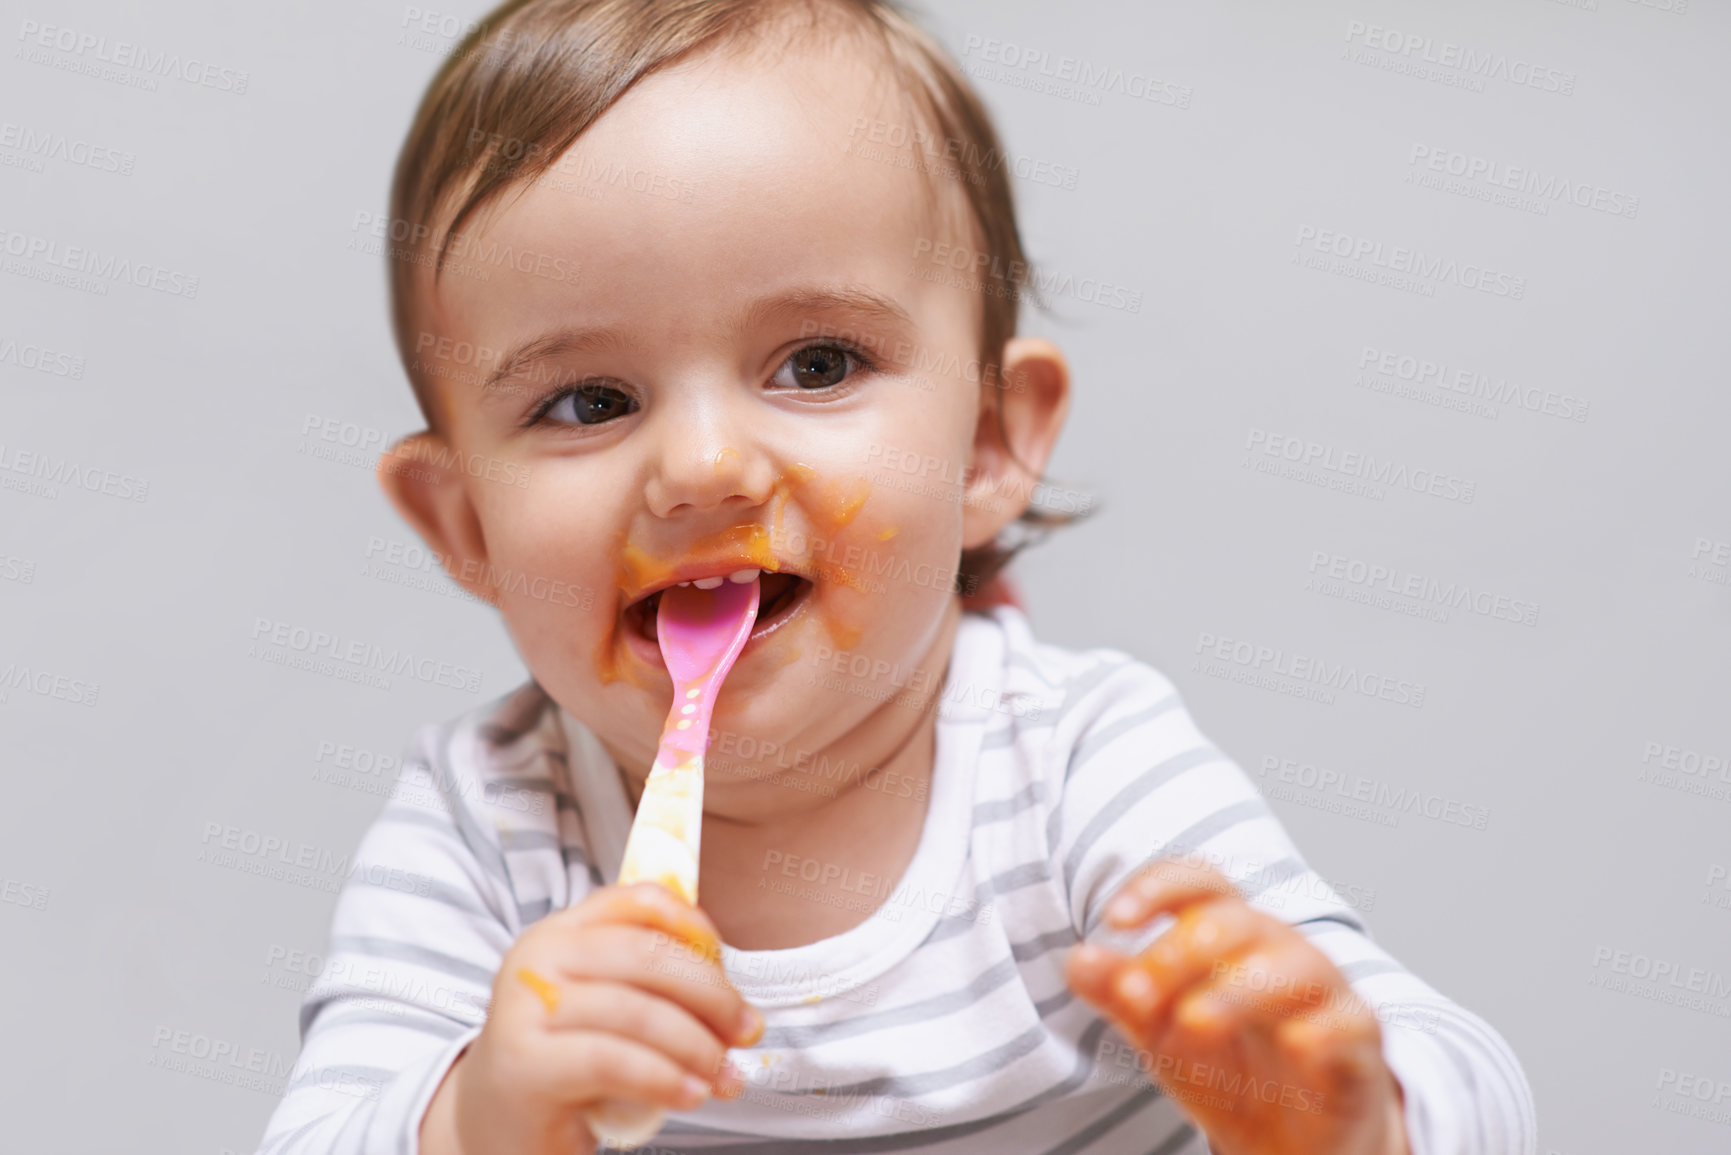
x=779 y=592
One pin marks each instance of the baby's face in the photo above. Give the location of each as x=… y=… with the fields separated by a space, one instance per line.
x=717 y=361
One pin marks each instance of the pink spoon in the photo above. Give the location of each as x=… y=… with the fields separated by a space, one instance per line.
x=701 y=634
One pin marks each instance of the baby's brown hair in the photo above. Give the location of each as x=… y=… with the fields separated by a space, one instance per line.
x=535 y=74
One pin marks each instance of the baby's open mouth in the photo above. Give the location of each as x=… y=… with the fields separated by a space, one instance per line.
x=779 y=595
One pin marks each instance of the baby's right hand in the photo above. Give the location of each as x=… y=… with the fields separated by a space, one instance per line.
x=620 y=997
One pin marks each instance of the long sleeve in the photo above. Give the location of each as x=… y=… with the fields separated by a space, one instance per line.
x=1140 y=781
x=1465 y=1091
x=419 y=929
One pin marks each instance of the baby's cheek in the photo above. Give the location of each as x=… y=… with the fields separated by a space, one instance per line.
x=555 y=601
x=884 y=592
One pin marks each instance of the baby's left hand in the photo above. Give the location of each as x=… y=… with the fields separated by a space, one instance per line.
x=1243 y=1021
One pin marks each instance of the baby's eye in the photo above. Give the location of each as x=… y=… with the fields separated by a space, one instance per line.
x=590 y=404
x=817 y=367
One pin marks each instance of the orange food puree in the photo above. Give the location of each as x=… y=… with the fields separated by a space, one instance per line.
x=672 y=881
x=546 y=991
x=836 y=504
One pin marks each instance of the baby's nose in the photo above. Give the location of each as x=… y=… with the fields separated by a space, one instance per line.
x=706 y=472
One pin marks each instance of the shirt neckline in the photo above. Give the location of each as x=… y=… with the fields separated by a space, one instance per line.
x=843 y=963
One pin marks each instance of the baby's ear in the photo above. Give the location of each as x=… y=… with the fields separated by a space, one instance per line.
x=419 y=476
x=1022 y=411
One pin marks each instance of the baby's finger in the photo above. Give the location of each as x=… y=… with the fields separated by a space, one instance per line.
x=672 y=969
x=580 y=1067
x=1209 y=1016
x=646 y=904
x=1285 y=979
x=1166 y=885
x=1204 y=939
x=1089 y=968
x=639 y=1016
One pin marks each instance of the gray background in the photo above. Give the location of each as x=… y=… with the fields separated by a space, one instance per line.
x=115 y=931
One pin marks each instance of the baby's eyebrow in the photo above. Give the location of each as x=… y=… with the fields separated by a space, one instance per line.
x=547 y=346
x=855 y=300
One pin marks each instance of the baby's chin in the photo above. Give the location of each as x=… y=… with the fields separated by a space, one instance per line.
x=815 y=775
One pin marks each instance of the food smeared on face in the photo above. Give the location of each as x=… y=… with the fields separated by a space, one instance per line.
x=743 y=552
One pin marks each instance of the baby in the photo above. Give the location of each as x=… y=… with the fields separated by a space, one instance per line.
x=678 y=289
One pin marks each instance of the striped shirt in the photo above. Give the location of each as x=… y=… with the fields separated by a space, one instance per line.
x=940 y=1024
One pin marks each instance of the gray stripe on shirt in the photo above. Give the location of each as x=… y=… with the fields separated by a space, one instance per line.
x=1103 y=736
x=1113 y=811
x=397 y=950
x=1086 y=1044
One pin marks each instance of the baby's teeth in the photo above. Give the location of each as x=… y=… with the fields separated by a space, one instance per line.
x=684 y=583
x=707 y=583
x=743 y=575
